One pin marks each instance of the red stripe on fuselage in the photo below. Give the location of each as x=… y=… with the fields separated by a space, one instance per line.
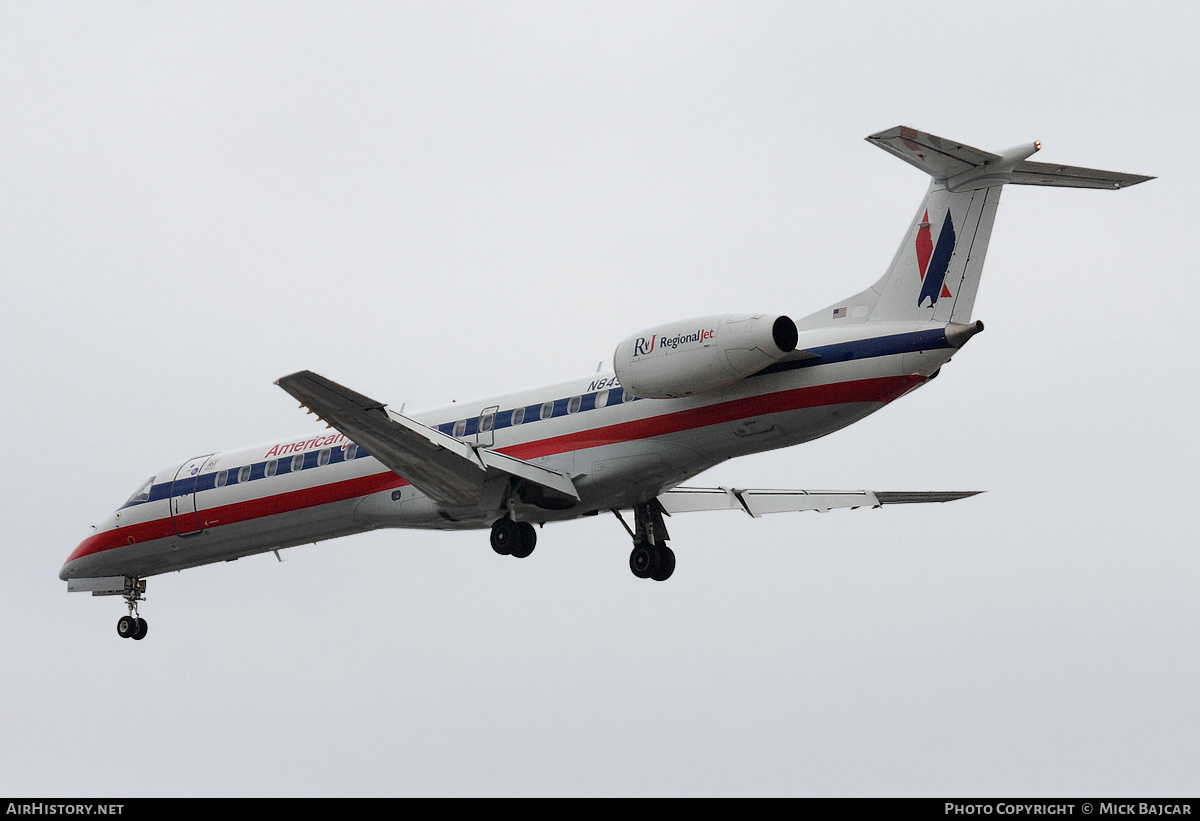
x=242 y=511
x=881 y=390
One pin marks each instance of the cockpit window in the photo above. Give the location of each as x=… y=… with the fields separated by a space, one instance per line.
x=143 y=494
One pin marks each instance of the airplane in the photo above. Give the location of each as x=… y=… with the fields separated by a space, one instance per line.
x=681 y=398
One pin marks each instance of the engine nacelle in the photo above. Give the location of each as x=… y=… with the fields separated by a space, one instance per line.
x=697 y=355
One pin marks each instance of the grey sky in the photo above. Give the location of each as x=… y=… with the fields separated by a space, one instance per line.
x=442 y=201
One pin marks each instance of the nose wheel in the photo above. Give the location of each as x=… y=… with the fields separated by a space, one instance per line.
x=133 y=626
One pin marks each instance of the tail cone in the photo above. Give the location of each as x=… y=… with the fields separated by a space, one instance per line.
x=958 y=334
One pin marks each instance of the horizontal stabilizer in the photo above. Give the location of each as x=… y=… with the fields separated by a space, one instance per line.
x=760 y=502
x=938 y=158
x=447 y=470
x=1067 y=176
x=965 y=168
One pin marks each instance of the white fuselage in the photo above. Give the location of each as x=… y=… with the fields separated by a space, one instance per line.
x=618 y=450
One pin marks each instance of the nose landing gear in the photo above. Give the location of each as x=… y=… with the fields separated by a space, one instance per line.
x=133 y=626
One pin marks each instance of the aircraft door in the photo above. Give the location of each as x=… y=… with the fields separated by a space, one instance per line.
x=183 y=497
x=485 y=435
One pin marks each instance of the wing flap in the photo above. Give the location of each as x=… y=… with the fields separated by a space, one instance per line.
x=530 y=472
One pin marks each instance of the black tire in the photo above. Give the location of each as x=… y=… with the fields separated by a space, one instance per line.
x=641 y=560
x=142 y=629
x=126 y=627
x=505 y=536
x=526 y=541
x=665 y=565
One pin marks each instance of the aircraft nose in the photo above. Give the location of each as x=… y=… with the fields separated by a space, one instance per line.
x=67 y=571
x=71 y=567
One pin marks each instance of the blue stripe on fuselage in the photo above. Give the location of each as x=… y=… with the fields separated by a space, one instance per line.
x=864 y=349
x=825 y=355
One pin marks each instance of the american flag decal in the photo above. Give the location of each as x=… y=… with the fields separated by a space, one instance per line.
x=838 y=313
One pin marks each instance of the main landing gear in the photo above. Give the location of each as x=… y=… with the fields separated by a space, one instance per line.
x=651 y=558
x=511 y=538
x=133 y=626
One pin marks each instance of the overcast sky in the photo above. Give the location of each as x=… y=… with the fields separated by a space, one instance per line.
x=443 y=201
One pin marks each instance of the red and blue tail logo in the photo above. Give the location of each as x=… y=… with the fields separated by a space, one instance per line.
x=934 y=262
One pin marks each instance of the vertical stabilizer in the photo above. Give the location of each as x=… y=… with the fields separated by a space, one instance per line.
x=935 y=273
x=934 y=276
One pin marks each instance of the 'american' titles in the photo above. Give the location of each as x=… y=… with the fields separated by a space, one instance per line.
x=316 y=442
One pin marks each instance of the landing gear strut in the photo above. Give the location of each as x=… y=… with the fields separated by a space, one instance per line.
x=133 y=626
x=511 y=538
x=651 y=558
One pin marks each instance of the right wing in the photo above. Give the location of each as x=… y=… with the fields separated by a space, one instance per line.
x=759 y=502
x=447 y=470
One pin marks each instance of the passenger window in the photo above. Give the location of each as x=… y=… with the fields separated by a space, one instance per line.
x=272 y=466
x=222 y=478
x=573 y=404
x=547 y=411
x=486 y=422
x=460 y=427
x=351 y=451
x=626 y=396
x=244 y=474
x=323 y=458
x=518 y=416
x=297 y=462
x=601 y=399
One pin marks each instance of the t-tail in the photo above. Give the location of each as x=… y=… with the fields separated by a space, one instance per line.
x=935 y=274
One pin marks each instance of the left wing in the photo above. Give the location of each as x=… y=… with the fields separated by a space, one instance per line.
x=759 y=502
x=447 y=470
